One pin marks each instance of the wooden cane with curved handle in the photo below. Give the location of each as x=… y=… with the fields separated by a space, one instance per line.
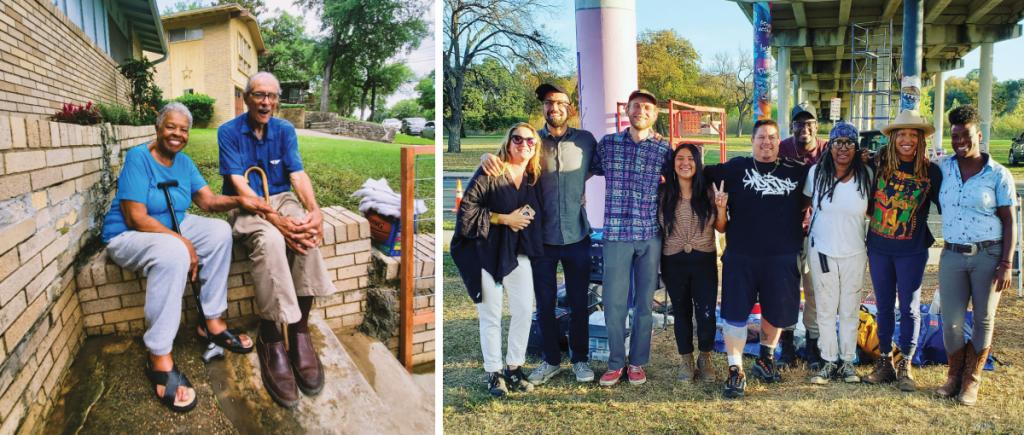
x=263 y=177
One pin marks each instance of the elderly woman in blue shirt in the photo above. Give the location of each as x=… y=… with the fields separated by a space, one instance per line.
x=977 y=197
x=138 y=233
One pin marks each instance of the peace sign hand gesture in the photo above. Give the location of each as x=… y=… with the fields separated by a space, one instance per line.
x=721 y=196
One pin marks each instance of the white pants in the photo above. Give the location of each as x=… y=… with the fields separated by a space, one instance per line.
x=519 y=286
x=838 y=294
x=164 y=261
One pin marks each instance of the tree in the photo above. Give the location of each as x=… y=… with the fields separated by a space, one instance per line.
x=290 y=53
x=183 y=5
x=734 y=77
x=425 y=87
x=382 y=81
x=478 y=29
x=494 y=97
x=409 y=108
x=362 y=35
x=668 y=66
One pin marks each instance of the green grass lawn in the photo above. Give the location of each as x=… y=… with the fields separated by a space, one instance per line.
x=664 y=405
x=337 y=167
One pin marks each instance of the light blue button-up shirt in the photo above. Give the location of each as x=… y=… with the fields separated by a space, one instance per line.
x=969 y=208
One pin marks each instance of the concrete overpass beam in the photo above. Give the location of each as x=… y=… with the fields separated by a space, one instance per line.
x=985 y=94
x=782 y=63
x=940 y=109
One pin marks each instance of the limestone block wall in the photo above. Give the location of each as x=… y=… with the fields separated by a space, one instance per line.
x=294 y=115
x=56 y=181
x=332 y=123
x=46 y=60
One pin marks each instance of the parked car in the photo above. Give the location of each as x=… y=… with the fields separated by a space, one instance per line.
x=1017 y=150
x=428 y=131
x=413 y=126
x=392 y=123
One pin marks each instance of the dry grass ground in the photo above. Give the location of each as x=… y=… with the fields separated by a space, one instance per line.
x=666 y=405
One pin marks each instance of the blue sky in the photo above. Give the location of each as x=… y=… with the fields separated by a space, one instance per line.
x=714 y=26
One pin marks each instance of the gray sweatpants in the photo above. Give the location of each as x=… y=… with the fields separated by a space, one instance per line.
x=963 y=279
x=642 y=257
x=164 y=261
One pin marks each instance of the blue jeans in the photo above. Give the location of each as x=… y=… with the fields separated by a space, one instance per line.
x=575 y=259
x=642 y=257
x=900 y=276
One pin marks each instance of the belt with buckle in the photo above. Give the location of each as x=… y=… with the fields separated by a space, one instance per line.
x=971 y=248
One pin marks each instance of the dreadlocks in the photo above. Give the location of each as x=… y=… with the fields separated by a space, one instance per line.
x=890 y=160
x=826 y=179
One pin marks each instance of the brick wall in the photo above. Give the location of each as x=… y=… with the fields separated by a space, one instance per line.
x=45 y=61
x=56 y=181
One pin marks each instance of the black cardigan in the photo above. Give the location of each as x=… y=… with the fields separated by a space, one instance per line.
x=477 y=245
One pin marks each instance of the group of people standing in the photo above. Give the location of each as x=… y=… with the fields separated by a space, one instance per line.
x=796 y=209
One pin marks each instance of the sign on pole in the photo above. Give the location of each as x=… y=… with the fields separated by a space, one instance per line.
x=834 y=109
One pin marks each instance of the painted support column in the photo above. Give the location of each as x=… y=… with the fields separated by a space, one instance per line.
x=762 y=100
x=606 y=62
x=784 y=91
x=939 y=102
x=913 y=32
x=985 y=94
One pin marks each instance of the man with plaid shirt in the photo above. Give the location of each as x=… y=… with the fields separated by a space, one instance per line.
x=631 y=162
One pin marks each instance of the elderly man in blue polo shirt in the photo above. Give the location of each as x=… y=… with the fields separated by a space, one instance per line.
x=288 y=269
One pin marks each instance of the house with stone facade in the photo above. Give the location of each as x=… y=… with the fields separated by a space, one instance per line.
x=211 y=51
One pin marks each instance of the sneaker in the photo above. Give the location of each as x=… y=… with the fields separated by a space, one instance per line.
x=543 y=373
x=826 y=372
x=610 y=378
x=496 y=384
x=705 y=369
x=905 y=378
x=735 y=384
x=686 y=368
x=636 y=375
x=582 y=371
x=516 y=380
x=847 y=373
x=765 y=370
x=883 y=372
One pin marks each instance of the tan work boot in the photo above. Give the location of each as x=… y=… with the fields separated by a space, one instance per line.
x=883 y=372
x=974 y=362
x=705 y=368
x=954 y=375
x=906 y=379
x=686 y=368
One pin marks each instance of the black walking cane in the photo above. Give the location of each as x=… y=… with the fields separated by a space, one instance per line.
x=212 y=349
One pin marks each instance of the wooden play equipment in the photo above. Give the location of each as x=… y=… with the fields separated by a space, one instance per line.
x=687 y=123
x=405 y=300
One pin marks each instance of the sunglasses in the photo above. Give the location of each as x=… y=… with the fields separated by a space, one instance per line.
x=518 y=140
x=844 y=144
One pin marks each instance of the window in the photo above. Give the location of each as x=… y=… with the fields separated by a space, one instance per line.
x=244 y=49
x=182 y=35
x=188 y=91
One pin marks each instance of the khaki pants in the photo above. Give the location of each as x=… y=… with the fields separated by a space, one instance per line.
x=280 y=276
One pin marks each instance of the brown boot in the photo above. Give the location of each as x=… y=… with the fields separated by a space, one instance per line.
x=974 y=362
x=686 y=368
x=906 y=379
x=883 y=373
x=705 y=368
x=954 y=375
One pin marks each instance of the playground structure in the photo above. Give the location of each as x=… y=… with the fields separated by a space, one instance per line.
x=687 y=123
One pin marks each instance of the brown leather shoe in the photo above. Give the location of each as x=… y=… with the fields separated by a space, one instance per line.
x=309 y=373
x=954 y=375
x=277 y=372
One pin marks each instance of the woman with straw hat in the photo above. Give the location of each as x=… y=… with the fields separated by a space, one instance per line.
x=898 y=240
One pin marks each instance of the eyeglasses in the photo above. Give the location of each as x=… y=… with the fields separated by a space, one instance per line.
x=518 y=140
x=844 y=144
x=260 y=96
x=799 y=125
x=554 y=103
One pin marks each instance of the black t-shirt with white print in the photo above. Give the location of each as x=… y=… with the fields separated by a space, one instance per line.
x=765 y=205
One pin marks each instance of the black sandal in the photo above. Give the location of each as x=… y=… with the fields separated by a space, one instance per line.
x=171 y=381
x=228 y=339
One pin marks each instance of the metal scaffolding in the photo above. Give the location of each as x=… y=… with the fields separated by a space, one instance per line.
x=873 y=93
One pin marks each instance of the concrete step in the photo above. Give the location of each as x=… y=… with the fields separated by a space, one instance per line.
x=392 y=383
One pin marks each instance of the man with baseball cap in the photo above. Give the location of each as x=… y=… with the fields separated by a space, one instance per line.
x=565 y=157
x=805 y=147
x=631 y=161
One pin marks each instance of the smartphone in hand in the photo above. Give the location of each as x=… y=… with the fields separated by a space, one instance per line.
x=527 y=211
